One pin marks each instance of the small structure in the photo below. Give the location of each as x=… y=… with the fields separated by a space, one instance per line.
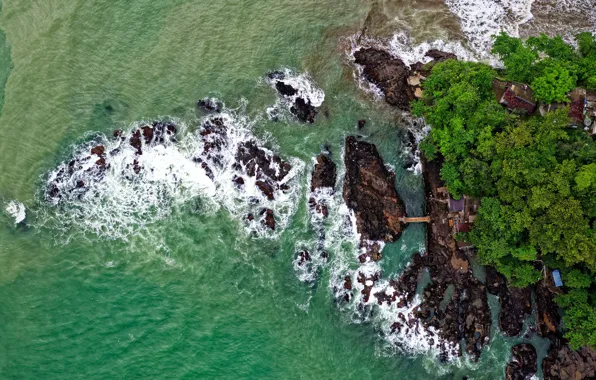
x=456 y=205
x=557 y=278
x=518 y=98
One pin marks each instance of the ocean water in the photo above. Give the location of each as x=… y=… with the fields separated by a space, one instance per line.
x=162 y=276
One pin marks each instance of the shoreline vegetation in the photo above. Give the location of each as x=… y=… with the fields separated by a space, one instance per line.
x=530 y=160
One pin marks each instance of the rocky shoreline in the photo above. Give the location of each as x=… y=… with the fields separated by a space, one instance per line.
x=455 y=302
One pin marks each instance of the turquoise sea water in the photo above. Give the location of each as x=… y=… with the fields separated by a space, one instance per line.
x=190 y=294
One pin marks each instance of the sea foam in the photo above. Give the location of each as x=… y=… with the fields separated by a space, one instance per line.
x=16 y=210
x=133 y=190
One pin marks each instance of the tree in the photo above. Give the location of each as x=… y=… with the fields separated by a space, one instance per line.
x=553 y=82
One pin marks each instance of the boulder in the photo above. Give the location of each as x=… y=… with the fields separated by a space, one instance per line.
x=388 y=73
x=324 y=173
x=562 y=363
x=304 y=110
x=523 y=364
x=369 y=191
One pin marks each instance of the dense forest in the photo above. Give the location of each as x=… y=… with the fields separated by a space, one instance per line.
x=535 y=175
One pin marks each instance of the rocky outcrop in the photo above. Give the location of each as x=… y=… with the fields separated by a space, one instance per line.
x=562 y=363
x=547 y=316
x=515 y=303
x=300 y=104
x=73 y=179
x=388 y=73
x=252 y=164
x=369 y=191
x=523 y=364
x=399 y=82
x=324 y=173
x=439 y=56
x=322 y=185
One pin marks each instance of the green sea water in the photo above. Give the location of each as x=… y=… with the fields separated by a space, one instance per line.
x=190 y=295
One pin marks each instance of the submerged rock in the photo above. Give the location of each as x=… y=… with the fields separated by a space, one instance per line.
x=523 y=364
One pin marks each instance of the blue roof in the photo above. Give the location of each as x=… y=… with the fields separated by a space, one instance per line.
x=557 y=278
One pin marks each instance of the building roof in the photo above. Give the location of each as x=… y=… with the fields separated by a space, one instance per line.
x=463 y=227
x=456 y=205
x=557 y=278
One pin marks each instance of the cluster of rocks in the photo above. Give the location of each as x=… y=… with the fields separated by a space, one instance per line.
x=399 y=82
x=322 y=187
x=81 y=171
x=299 y=104
x=251 y=161
x=523 y=364
x=515 y=303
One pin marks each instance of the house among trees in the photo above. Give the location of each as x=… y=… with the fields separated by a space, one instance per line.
x=462 y=213
x=516 y=97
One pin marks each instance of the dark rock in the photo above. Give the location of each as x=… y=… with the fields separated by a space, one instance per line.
x=361 y=124
x=250 y=217
x=258 y=162
x=147 y=134
x=440 y=56
x=118 y=132
x=239 y=181
x=348 y=283
x=547 y=316
x=388 y=73
x=135 y=141
x=304 y=110
x=325 y=255
x=369 y=190
x=285 y=89
x=515 y=304
x=303 y=257
x=324 y=173
x=210 y=105
x=562 y=363
x=266 y=189
x=98 y=150
x=495 y=282
x=523 y=364
x=269 y=218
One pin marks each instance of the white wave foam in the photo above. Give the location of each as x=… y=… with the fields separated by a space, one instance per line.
x=16 y=210
x=131 y=190
x=302 y=83
x=247 y=199
x=483 y=19
x=418 y=130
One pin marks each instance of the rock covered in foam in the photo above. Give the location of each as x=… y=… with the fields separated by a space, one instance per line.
x=16 y=210
x=74 y=179
x=523 y=364
x=369 y=191
x=258 y=176
x=297 y=93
